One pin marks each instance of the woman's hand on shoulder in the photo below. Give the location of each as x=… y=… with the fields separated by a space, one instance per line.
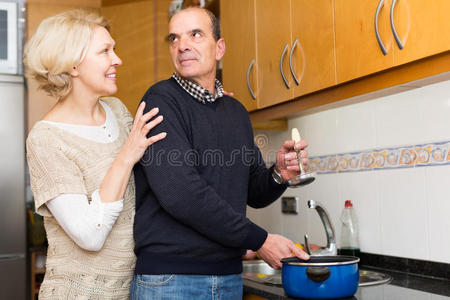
x=137 y=142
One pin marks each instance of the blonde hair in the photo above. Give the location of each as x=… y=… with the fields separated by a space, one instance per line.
x=59 y=45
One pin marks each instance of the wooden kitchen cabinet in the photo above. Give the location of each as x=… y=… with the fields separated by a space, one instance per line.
x=313 y=55
x=423 y=27
x=358 y=52
x=273 y=39
x=132 y=27
x=239 y=71
x=290 y=38
x=326 y=43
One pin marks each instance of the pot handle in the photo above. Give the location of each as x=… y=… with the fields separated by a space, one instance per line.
x=318 y=274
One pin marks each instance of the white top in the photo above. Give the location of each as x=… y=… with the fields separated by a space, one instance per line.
x=88 y=223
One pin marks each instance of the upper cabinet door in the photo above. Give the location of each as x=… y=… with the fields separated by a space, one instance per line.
x=273 y=38
x=239 y=63
x=362 y=31
x=422 y=27
x=313 y=56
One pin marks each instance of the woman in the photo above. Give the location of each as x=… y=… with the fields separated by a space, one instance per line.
x=81 y=157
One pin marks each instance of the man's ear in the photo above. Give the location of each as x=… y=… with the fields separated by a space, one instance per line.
x=220 y=49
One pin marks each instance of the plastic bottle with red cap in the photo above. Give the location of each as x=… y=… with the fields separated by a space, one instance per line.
x=349 y=241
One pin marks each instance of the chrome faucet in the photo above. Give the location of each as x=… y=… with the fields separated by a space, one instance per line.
x=331 y=248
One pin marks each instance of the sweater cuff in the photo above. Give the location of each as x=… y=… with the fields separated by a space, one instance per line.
x=256 y=237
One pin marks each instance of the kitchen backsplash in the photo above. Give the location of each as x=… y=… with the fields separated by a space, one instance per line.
x=390 y=156
x=408 y=156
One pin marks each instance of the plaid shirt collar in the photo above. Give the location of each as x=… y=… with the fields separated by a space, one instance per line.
x=198 y=92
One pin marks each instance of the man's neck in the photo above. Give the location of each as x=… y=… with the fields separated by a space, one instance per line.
x=206 y=83
x=210 y=86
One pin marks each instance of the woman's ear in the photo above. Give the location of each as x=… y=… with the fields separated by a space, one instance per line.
x=74 y=72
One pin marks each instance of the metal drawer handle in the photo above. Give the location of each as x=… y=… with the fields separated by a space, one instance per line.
x=248 y=79
x=281 y=65
x=377 y=34
x=290 y=62
x=394 y=31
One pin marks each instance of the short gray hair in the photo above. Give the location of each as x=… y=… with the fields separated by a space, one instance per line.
x=215 y=24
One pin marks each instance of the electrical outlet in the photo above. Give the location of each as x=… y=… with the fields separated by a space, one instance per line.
x=289 y=205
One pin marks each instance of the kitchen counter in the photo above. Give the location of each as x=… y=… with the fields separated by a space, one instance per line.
x=404 y=286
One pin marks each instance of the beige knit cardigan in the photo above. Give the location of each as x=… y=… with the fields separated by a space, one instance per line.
x=61 y=162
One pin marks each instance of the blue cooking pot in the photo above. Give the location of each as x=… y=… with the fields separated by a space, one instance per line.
x=321 y=277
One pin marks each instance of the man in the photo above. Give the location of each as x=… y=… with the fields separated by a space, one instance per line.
x=192 y=188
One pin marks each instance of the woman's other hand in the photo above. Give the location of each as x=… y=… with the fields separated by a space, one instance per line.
x=137 y=142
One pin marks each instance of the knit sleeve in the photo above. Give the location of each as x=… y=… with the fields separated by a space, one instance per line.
x=262 y=189
x=51 y=172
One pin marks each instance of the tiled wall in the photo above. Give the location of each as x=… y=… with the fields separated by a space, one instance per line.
x=390 y=157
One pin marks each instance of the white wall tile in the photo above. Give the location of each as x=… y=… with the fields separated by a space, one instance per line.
x=255 y=215
x=355 y=129
x=404 y=218
x=319 y=129
x=435 y=106
x=401 y=212
x=360 y=187
x=270 y=217
x=294 y=227
x=326 y=191
x=399 y=120
x=438 y=197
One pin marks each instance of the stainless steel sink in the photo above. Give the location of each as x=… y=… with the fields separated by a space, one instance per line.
x=259 y=271
x=367 y=277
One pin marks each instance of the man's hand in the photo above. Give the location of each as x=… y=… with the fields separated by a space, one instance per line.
x=277 y=247
x=287 y=160
x=249 y=255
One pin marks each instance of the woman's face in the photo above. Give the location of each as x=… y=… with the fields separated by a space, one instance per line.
x=96 y=74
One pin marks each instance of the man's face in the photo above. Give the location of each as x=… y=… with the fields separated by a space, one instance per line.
x=193 y=50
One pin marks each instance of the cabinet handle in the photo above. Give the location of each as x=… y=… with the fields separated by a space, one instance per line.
x=248 y=79
x=290 y=62
x=281 y=65
x=397 y=38
x=377 y=34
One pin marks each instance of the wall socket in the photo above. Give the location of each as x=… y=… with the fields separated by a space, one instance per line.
x=289 y=205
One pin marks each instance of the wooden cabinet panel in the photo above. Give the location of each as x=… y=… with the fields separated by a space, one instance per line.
x=164 y=67
x=336 y=41
x=273 y=34
x=357 y=50
x=132 y=27
x=423 y=26
x=313 y=58
x=238 y=30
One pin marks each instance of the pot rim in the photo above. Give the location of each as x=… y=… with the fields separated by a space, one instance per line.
x=349 y=260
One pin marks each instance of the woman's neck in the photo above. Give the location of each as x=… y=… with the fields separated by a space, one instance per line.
x=78 y=111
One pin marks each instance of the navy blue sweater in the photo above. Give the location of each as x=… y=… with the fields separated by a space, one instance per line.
x=192 y=188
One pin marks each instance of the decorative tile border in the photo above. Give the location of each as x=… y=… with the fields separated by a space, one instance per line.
x=410 y=156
